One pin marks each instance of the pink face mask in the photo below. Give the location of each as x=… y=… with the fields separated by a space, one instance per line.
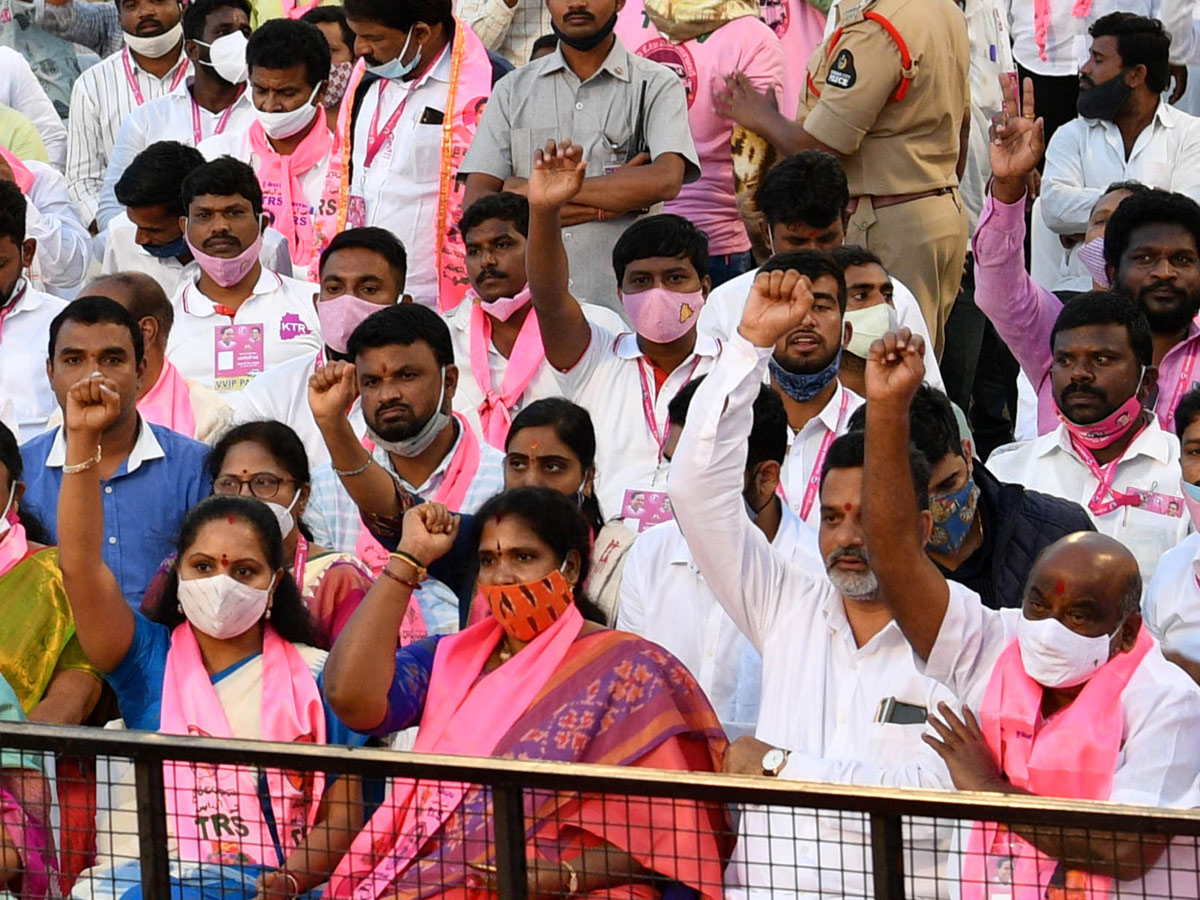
x=1191 y=499
x=662 y=316
x=1091 y=255
x=227 y=272
x=1098 y=435
x=502 y=308
x=340 y=315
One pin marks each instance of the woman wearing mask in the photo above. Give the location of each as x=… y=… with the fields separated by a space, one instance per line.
x=267 y=460
x=227 y=655
x=332 y=22
x=40 y=656
x=556 y=688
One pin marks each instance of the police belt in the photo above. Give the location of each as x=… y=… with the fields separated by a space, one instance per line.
x=883 y=202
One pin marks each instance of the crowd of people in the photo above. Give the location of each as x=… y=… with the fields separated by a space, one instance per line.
x=787 y=389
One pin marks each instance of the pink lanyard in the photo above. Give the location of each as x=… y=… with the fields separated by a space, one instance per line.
x=660 y=437
x=12 y=304
x=814 y=478
x=300 y=562
x=132 y=79
x=1181 y=386
x=376 y=138
x=1105 y=475
x=198 y=132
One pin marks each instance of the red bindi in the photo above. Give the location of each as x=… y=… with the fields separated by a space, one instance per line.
x=232 y=520
x=848 y=507
x=1060 y=587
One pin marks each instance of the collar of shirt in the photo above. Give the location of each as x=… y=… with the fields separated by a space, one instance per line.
x=1165 y=115
x=145 y=448
x=31 y=300
x=201 y=306
x=183 y=94
x=830 y=415
x=1152 y=442
x=834 y=609
x=626 y=346
x=439 y=71
x=182 y=61
x=617 y=63
x=384 y=458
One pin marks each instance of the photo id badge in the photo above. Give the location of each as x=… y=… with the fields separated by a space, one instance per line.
x=356 y=211
x=1160 y=504
x=645 y=509
x=238 y=355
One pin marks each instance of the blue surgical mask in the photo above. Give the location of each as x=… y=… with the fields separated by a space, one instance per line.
x=953 y=515
x=801 y=387
x=176 y=248
x=396 y=69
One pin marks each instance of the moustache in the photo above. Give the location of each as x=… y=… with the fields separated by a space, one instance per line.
x=149 y=28
x=221 y=240
x=489 y=273
x=394 y=405
x=1076 y=388
x=847 y=552
x=576 y=14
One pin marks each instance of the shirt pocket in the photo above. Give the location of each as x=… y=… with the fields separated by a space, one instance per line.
x=615 y=145
x=525 y=141
x=427 y=147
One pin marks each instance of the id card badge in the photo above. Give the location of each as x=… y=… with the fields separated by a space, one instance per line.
x=238 y=355
x=1160 y=504
x=356 y=211
x=645 y=509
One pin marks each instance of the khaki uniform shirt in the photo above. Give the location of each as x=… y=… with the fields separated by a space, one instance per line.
x=891 y=146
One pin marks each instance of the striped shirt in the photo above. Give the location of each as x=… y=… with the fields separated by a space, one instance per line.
x=96 y=26
x=103 y=97
x=507 y=30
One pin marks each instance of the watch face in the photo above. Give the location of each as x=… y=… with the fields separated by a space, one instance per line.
x=772 y=760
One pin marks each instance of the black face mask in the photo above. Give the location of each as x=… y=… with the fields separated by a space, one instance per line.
x=588 y=43
x=1104 y=100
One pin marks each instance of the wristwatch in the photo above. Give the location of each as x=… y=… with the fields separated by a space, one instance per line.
x=773 y=761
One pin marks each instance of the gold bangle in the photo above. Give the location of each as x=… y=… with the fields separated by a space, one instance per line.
x=83 y=466
x=403 y=556
x=572 y=878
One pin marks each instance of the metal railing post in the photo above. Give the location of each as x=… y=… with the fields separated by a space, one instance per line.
x=887 y=856
x=152 y=827
x=508 y=812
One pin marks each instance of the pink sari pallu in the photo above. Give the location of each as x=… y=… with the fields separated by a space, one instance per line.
x=214 y=812
x=464 y=715
x=1073 y=755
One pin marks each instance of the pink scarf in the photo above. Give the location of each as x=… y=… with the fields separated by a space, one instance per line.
x=169 y=402
x=1041 y=21
x=294 y=10
x=523 y=364
x=214 y=812
x=1073 y=754
x=14 y=547
x=465 y=715
x=280 y=177
x=20 y=170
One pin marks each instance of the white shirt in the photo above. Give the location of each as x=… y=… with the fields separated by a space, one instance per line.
x=1067 y=41
x=664 y=598
x=1160 y=747
x=281 y=306
x=468 y=396
x=20 y=89
x=722 y=313
x=1085 y=156
x=820 y=691
x=122 y=253
x=1151 y=463
x=281 y=393
x=401 y=188
x=1171 y=607
x=24 y=337
x=172 y=117
x=804 y=451
x=101 y=101
x=63 y=243
x=608 y=382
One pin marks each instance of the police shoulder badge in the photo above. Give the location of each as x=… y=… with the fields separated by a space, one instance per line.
x=842 y=73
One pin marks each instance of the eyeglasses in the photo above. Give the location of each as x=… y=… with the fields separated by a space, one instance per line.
x=263 y=485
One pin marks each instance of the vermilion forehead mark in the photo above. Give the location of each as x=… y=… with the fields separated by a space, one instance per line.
x=848 y=507
x=1060 y=587
x=232 y=520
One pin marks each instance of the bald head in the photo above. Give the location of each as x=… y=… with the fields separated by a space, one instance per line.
x=143 y=297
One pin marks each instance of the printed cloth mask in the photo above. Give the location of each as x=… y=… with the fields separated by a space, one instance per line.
x=1056 y=657
x=1104 y=100
x=281 y=125
x=396 y=69
x=221 y=606
x=1091 y=254
x=335 y=87
x=227 y=57
x=340 y=315
x=587 y=43
x=173 y=250
x=869 y=325
x=419 y=442
x=662 y=316
x=227 y=272
x=1106 y=432
x=952 y=517
x=803 y=387
x=502 y=308
x=1191 y=499
x=283 y=515
x=526 y=610
x=155 y=46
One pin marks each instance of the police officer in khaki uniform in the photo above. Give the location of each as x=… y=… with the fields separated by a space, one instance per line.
x=888 y=93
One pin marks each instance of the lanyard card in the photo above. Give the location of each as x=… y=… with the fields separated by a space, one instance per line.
x=1153 y=501
x=238 y=355
x=645 y=509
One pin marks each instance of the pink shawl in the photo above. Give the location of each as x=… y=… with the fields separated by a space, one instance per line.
x=495 y=412
x=169 y=402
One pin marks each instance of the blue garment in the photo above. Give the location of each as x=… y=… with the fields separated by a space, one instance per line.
x=138 y=682
x=143 y=509
x=410 y=685
x=725 y=268
x=192 y=882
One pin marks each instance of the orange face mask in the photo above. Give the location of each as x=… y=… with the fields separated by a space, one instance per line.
x=526 y=610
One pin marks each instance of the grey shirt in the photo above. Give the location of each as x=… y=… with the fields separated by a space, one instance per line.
x=546 y=100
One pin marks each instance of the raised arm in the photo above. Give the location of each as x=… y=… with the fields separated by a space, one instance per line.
x=104 y=622
x=555 y=181
x=909 y=582
x=362 y=664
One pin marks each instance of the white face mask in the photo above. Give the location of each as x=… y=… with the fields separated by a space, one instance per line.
x=283 y=516
x=156 y=46
x=281 y=125
x=222 y=607
x=5 y=525
x=1056 y=657
x=227 y=56
x=867 y=326
x=419 y=442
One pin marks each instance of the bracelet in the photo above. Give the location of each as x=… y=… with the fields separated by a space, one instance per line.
x=600 y=214
x=83 y=466
x=411 y=585
x=403 y=556
x=572 y=877
x=293 y=884
x=349 y=473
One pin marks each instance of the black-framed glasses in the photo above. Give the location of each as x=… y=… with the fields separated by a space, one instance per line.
x=263 y=485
